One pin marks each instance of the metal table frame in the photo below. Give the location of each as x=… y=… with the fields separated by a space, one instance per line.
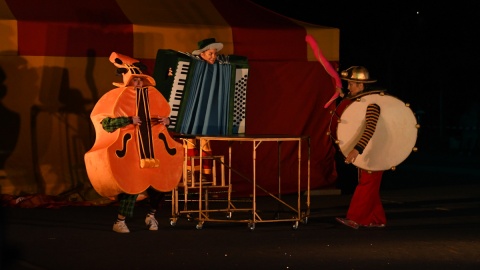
x=257 y=140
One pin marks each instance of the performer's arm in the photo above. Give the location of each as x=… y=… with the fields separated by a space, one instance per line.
x=373 y=112
x=111 y=124
x=371 y=117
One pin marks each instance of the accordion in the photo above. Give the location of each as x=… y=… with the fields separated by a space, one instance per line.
x=205 y=99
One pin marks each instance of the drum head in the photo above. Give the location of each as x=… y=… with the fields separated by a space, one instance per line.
x=394 y=138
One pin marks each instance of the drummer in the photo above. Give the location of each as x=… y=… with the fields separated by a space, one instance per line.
x=365 y=208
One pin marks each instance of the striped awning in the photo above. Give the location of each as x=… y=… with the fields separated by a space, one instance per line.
x=139 y=28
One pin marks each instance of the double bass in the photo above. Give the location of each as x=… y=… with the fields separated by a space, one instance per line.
x=135 y=157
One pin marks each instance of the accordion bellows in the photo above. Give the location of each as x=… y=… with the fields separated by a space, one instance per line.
x=205 y=99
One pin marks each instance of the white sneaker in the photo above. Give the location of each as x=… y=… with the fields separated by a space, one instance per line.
x=120 y=227
x=152 y=223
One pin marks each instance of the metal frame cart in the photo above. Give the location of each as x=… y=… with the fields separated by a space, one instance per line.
x=203 y=210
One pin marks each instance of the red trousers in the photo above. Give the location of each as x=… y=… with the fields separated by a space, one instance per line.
x=366 y=206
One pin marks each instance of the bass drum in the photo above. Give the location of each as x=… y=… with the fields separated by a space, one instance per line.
x=394 y=138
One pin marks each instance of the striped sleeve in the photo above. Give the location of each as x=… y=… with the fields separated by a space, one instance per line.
x=371 y=119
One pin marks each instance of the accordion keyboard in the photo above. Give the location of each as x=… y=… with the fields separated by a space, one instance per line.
x=177 y=91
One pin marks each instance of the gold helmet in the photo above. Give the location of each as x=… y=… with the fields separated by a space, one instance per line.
x=357 y=74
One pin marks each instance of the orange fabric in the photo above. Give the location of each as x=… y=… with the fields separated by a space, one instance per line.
x=133 y=158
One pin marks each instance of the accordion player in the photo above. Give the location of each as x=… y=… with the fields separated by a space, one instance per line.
x=206 y=99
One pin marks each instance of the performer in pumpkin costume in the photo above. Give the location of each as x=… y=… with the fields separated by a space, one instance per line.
x=133 y=152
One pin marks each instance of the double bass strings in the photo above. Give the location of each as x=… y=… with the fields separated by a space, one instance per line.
x=144 y=132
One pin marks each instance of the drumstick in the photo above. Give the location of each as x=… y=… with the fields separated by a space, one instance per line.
x=328 y=67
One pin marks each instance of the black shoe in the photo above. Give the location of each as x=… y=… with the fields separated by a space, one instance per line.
x=373 y=225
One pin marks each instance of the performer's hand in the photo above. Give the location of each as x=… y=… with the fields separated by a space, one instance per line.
x=136 y=120
x=351 y=156
x=339 y=91
x=160 y=120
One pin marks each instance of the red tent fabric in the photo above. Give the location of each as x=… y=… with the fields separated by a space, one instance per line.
x=57 y=54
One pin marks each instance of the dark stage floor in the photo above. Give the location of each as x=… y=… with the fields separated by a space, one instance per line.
x=431 y=225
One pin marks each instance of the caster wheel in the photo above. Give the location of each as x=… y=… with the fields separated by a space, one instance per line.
x=295 y=225
x=305 y=220
x=305 y=217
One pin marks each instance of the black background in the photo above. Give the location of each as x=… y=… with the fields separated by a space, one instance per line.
x=426 y=53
